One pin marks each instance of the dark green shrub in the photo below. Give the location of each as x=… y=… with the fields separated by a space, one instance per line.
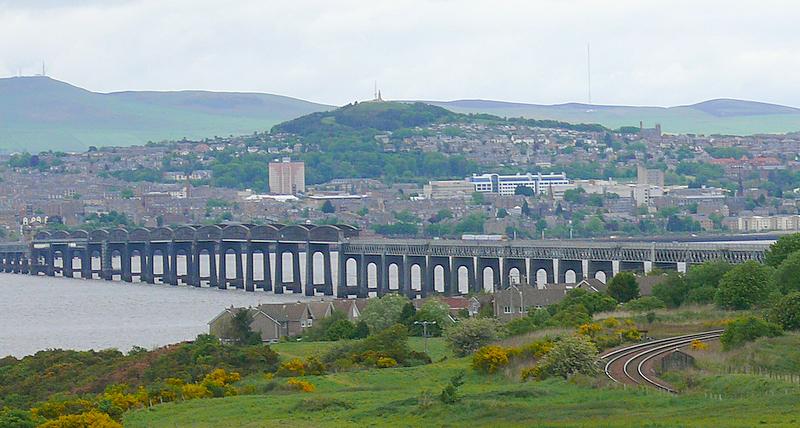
x=786 y=312
x=747 y=329
x=744 y=286
x=643 y=304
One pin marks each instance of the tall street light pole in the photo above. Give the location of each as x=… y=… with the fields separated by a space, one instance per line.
x=425 y=325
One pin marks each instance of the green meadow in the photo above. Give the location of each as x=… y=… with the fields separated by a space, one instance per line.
x=409 y=397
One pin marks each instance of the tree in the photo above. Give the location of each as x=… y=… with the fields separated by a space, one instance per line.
x=523 y=190
x=470 y=334
x=432 y=310
x=787 y=275
x=126 y=193
x=672 y=291
x=536 y=319
x=786 y=312
x=341 y=329
x=14 y=418
x=450 y=394
x=746 y=329
x=442 y=214
x=570 y=355
x=502 y=213
x=361 y=331
x=328 y=208
x=707 y=274
x=526 y=209
x=383 y=312
x=780 y=250
x=591 y=302
x=478 y=198
x=744 y=286
x=240 y=331
x=623 y=287
x=407 y=315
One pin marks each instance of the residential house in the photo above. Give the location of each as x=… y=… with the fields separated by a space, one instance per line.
x=454 y=304
x=294 y=318
x=321 y=309
x=266 y=326
x=515 y=301
x=349 y=307
x=647 y=282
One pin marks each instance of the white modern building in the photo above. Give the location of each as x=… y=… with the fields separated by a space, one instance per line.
x=507 y=184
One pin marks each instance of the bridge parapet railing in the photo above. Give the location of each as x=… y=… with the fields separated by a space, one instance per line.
x=671 y=252
x=13 y=247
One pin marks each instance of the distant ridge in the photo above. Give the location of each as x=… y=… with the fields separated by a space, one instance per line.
x=40 y=113
x=718 y=116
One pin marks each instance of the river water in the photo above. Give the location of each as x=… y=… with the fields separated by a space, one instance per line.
x=39 y=312
x=42 y=312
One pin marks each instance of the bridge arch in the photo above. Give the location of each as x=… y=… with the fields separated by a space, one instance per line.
x=294 y=233
x=184 y=233
x=488 y=274
x=79 y=234
x=118 y=235
x=325 y=233
x=209 y=233
x=264 y=233
x=161 y=234
x=98 y=235
x=139 y=234
x=394 y=276
x=235 y=232
x=438 y=278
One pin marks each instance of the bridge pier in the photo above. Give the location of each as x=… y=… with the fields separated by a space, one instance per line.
x=667 y=266
x=535 y=266
x=326 y=287
x=261 y=247
x=494 y=264
x=25 y=265
x=607 y=267
x=512 y=263
x=375 y=260
x=565 y=266
x=294 y=284
x=383 y=278
x=469 y=264
x=635 y=267
x=238 y=280
x=447 y=281
x=420 y=262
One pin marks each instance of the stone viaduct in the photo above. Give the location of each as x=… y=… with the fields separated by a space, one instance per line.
x=256 y=257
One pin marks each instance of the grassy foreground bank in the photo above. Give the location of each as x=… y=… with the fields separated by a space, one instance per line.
x=409 y=397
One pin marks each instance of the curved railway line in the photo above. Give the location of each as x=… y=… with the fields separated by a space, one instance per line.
x=628 y=365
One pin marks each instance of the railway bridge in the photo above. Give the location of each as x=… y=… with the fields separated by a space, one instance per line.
x=336 y=260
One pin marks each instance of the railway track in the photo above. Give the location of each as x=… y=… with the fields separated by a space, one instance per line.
x=628 y=365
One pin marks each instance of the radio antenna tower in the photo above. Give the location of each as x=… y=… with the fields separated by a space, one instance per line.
x=43 y=69
x=589 y=71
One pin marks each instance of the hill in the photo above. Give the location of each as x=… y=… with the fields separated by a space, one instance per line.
x=379 y=116
x=721 y=116
x=40 y=113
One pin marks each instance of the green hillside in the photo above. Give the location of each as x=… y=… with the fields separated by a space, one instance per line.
x=39 y=113
x=733 y=117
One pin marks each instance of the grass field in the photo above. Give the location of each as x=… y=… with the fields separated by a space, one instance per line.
x=391 y=397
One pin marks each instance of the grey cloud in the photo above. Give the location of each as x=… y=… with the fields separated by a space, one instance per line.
x=657 y=53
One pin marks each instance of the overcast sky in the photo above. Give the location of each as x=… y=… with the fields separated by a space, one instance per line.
x=643 y=52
